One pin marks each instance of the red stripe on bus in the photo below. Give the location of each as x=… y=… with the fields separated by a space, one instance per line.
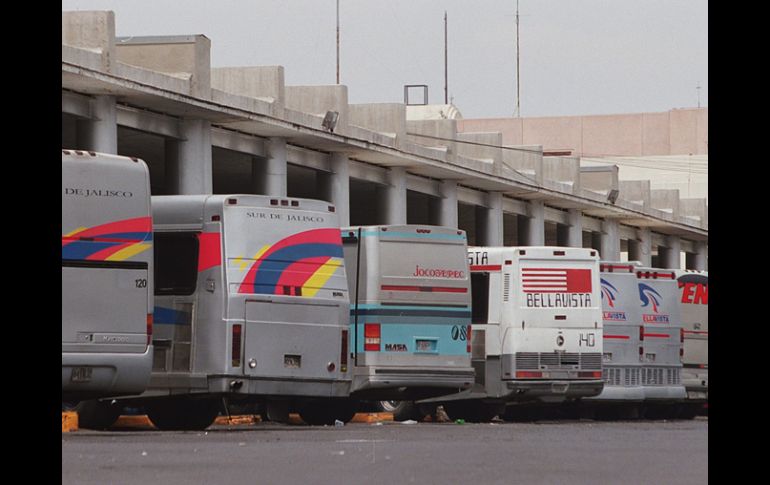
x=624 y=337
x=431 y=289
x=657 y=335
x=491 y=267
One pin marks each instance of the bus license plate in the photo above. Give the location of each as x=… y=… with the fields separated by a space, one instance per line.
x=426 y=345
x=81 y=374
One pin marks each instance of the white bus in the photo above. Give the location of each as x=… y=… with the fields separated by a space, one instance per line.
x=662 y=350
x=693 y=304
x=536 y=329
x=251 y=304
x=107 y=282
x=410 y=314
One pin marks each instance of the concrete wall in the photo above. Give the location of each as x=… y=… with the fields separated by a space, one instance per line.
x=387 y=118
x=599 y=179
x=254 y=82
x=91 y=30
x=486 y=153
x=436 y=128
x=186 y=57
x=562 y=169
x=676 y=132
x=318 y=100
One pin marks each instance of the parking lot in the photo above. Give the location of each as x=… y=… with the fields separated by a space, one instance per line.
x=392 y=452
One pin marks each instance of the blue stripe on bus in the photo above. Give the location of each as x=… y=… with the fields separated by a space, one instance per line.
x=402 y=337
x=169 y=316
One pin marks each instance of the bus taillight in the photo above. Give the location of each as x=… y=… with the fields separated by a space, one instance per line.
x=468 y=340
x=149 y=328
x=681 y=335
x=641 y=334
x=524 y=374
x=344 y=352
x=372 y=336
x=236 y=346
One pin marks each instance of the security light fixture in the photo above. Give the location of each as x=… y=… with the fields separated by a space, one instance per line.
x=330 y=120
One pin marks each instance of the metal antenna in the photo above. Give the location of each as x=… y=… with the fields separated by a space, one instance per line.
x=518 y=91
x=338 y=41
x=446 y=76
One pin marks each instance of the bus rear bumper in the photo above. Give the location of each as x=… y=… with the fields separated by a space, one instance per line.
x=664 y=393
x=416 y=380
x=90 y=375
x=619 y=394
x=552 y=390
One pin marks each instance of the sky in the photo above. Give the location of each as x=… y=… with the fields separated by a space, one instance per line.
x=576 y=57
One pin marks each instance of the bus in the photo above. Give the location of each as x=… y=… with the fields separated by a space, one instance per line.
x=410 y=314
x=251 y=305
x=536 y=329
x=693 y=304
x=661 y=352
x=107 y=282
x=623 y=337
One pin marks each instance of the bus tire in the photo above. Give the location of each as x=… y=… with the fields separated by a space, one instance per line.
x=183 y=414
x=402 y=410
x=472 y=411
x=93 y=414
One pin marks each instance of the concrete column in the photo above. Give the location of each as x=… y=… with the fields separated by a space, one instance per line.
x=640 y=249
x=534 y=224
x=701 y=256
x=571 y=235
x=492 y=222
x=670 y=257
x=610 y=241
x=100 y=133
x=188 y=161
x=395 y=197
x=339 y=186
x=271 y=180
x=448 y=203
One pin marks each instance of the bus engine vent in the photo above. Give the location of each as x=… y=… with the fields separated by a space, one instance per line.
x=506 y=286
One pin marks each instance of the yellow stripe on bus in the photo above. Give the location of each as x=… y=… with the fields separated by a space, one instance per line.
x=126 y=253
x=320 y=277
x=79 y=229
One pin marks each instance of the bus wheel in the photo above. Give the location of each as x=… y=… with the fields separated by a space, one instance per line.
x=95 y=414
x=318 y=412
x=402 y=410
x=473 y=412
x=688 y=411
x=180 y=414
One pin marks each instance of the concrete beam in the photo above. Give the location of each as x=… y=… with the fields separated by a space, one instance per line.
x=317 y=100
x=368 y=172
x=76 y=105
x=477 y=146
x=439 y=133
x=187 y=57
x=695 y=209
x=515 y=206
x=523 y=163
x=148 y=122
x=388 y=118
x=637 y=191
x=470 y=196
x=564 y=170
x=600 y=179
x=238 y=142
x=92 y=30
x=424 y=185
x=266 y=82
x=666 y=200
x=309 y=158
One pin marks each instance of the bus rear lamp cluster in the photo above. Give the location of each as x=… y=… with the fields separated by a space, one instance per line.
x=372 y=337
x=344 y=352
x=468 y=340
x=287 y=203
x=149 y=328
x=236 y=345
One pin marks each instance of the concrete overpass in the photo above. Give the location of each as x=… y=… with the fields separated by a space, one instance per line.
x=242 y=130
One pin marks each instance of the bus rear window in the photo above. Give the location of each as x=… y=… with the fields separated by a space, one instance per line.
x=480 y=292
x=176 y=262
